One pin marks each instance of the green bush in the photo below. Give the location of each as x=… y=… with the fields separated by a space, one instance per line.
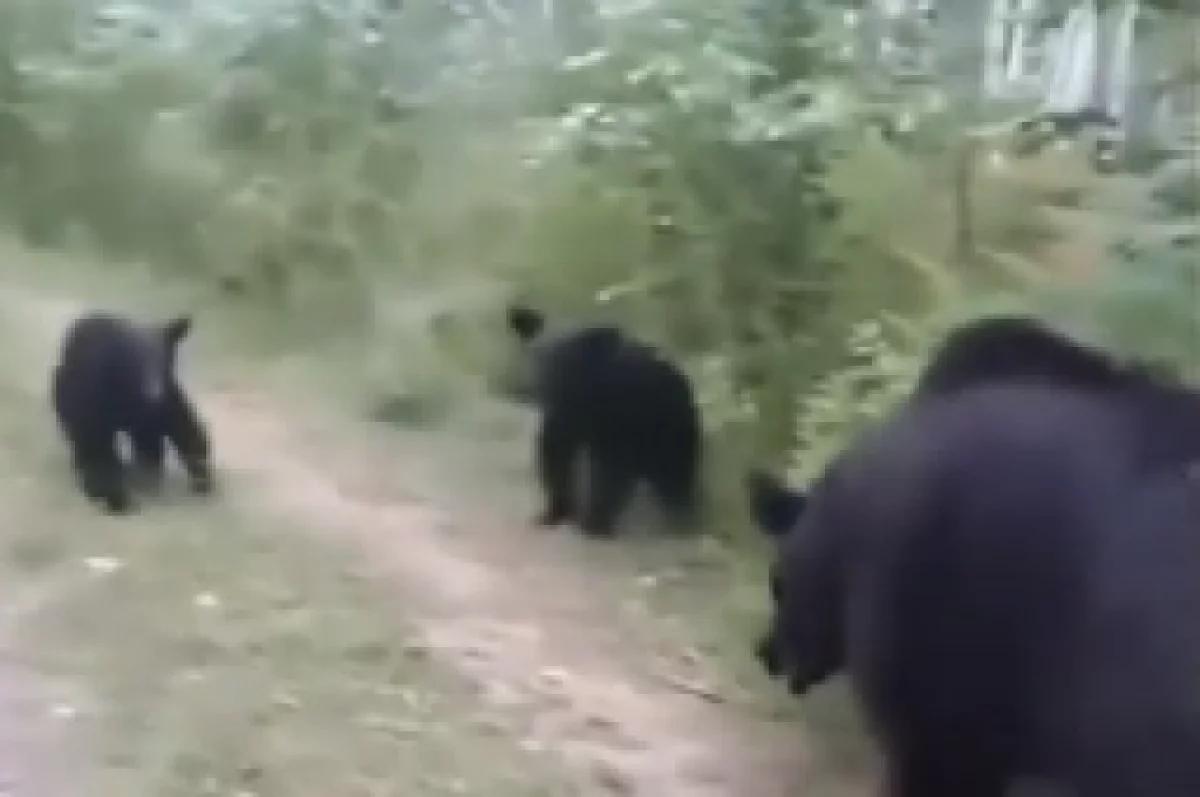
x=713 y=178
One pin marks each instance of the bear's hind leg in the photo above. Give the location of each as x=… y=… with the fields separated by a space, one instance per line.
x=610 y=487
x=677 y=494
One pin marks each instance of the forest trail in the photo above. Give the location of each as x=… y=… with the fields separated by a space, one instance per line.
x=519 y=614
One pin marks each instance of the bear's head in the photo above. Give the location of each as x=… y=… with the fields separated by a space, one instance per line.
x=545 y=358
x=804 y=640
x=775 y=507
x=570 y=356
x=521 y=375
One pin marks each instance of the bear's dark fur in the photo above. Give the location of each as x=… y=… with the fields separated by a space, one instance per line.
x=1138 y=723
x=1163 y=412
x=1012 y=589
x=1024 y=349
x=116 y=376
x=620 y=403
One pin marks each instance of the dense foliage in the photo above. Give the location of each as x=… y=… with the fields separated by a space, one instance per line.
x=729 y=178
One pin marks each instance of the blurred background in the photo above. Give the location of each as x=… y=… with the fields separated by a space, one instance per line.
x=791 y=196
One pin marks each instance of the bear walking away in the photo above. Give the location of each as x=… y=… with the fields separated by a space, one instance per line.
x=623 y=405
x=1012 y=589
x=115 y=376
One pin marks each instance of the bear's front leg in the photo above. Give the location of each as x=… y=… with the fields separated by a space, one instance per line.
x=556 y=448
x=185 y=430
x=102 y=474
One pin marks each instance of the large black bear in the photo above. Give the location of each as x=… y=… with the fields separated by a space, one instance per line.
x=1012 y=593
x=115 y=376
x=624 y=406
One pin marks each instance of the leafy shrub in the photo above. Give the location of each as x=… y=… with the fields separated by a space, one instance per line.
x=880 y=374
x=728 y=184
x=1143 y=304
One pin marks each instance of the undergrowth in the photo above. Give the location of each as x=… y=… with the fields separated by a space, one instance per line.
x=744 y=189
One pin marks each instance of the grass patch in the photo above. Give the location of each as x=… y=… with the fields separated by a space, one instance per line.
x=230 y=659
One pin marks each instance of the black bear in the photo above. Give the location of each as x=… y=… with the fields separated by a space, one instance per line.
x=620 y=403
x=1010 y=584
x=114 y=377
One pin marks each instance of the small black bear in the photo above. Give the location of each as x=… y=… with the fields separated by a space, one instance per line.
x=116 y=376
x=620 y=403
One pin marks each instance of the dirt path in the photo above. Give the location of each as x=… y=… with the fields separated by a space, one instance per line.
x=512 y=608
x=41 y=744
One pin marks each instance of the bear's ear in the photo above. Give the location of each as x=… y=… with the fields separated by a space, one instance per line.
x=526 y=322
x=776 y=508
x=175 y=330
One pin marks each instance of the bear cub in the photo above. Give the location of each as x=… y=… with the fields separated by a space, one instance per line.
x=116 y=376
x=620 y=403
